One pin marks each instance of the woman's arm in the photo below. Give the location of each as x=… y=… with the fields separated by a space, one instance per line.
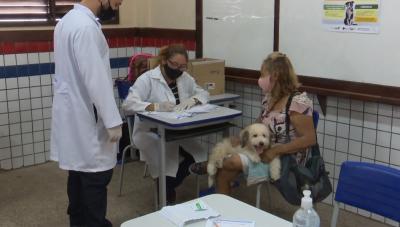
x=306 y=137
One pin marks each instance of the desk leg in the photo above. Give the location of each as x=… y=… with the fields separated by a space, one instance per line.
x=162 y=183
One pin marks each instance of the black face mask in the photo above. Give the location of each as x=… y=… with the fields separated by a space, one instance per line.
x=173 y=74
x=107 y=14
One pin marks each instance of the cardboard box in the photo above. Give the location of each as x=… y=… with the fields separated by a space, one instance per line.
x=209 y=74
x=153 y=62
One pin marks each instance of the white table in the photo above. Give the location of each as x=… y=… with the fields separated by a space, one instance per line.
x=216 y=117
x=228 y=207
x=223 y=99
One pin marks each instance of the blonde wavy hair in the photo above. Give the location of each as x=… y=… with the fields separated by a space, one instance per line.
x=278 y=66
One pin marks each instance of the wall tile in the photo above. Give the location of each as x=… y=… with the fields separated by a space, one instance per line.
x=357 y=105
x=17 y=162
x=330 y=128
x=343 y=130
x=29 y=160
x=344 y=115
x=371 y=107
x=38 y=147
x=3 y=96
x=15 y=129
x=383 y=138
x=4 y=130
x=26 y=127
x=331 y=113
x=12 y=94
x=3 y=118
x=355 y=147
x=370 y=120
x=34 y=81
x=384 y=123
x=15 y=140
x=27 y=149
x=5 y=153
x=22 y=59
x=35 y=92
x=16 y=151
x=40 y=158
x=329 y=142
x=369 y=136
x=33 y=58
x=44 y=57
x=2 y=84
x=3 y=107
x=385 y=109
x=342 y=145
x=396 y=125
x=396 y=111
x=355 y=133
x=395 y=157
x=24 y=93
x=11 y=83
x=10 y=59
x=13 y=106
x=382 y=154
x=14 y=117
x=368 y=150
x=395 y=141
x=1 y=60
x=344 y=103
x=329 y=156
x=356 y=118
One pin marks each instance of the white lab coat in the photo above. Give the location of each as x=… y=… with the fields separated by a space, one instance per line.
x=151 y=87
x=82 y=80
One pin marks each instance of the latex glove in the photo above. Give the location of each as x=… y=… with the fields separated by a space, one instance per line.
x=186 y=104
x=164 y=106
x=114 y=134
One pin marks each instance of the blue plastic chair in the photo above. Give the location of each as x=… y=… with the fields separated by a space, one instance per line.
x=368 y=186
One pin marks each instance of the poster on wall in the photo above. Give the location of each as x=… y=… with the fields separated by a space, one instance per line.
x=359 y=16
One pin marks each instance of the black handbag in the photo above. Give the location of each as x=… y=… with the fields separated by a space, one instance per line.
x=296 y=178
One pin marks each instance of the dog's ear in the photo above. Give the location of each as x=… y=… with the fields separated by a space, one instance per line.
x=244 y=138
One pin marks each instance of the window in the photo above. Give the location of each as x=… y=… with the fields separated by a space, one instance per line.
x=34 y=12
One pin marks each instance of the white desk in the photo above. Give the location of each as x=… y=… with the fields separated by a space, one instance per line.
x=228 y=207
x=217 y=116
x=223 y=99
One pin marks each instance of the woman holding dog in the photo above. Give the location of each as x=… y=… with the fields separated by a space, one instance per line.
x=278 y=82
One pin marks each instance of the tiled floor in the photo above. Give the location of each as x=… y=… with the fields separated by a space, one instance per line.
x=36 y=196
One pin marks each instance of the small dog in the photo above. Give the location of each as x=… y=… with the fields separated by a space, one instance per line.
x=254 y=139
x=349 y=13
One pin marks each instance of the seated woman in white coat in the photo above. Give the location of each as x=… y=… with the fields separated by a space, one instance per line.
x=166 y=88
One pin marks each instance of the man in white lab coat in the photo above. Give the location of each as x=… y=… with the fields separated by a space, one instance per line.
x=86 y=123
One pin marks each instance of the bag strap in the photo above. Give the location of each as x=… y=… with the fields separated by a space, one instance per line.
x=314 y=152
x=287 y=117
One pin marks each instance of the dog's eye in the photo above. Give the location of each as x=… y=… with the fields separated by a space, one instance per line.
x=264 y=135
x=255 y=135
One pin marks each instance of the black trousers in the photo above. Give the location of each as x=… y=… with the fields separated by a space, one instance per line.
x=87 y=193
x=183 y=172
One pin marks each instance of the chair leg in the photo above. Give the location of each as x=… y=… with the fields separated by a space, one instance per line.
x=156 y=194
x=269 y=196
x=145 y=170
x=258 y=197
x=335 y=214
x=197 y=186
x=121 y=174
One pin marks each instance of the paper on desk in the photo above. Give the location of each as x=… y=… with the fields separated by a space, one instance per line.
x=229 y=223
x=183 y=213
x=205 y=108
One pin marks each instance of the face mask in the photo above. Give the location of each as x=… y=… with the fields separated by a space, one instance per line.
x=265 y=84
x=173 y=74
x=107 y=14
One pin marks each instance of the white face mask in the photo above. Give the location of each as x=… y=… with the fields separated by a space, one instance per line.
x=266 y=84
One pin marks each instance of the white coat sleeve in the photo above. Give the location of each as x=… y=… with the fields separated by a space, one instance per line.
x=137 y=96
x=91 y=53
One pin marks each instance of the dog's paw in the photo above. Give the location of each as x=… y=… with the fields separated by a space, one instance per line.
x=255 y=158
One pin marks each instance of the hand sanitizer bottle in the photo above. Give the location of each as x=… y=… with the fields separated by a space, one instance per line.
x=306 y=215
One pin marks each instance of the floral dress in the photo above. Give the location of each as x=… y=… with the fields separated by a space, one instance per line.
x=275 y=120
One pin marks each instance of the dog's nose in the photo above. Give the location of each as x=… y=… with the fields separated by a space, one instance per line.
x=261 y=143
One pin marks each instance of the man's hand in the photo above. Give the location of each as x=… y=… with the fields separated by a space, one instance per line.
x=114 y=134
